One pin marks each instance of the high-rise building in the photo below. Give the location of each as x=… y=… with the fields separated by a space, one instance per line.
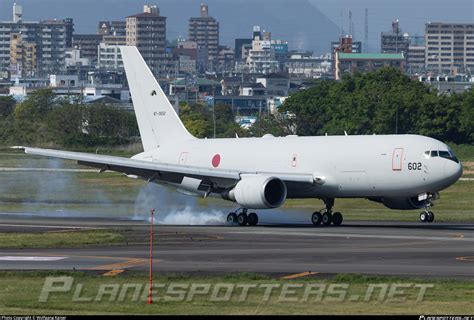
x=110 y=57
x=69 y=22
x=112 y=28
x=87 y=44
x=205 y=31
x=147 y=31
x=113 y=32
x=416 y=59
x=23 y=57
x=261 y=57
x=239 y=46
x=449 y=47
x=394 y=41
x=46 y=38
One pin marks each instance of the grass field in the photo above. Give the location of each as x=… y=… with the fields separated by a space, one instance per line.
x=70 y=239
x=19 y=293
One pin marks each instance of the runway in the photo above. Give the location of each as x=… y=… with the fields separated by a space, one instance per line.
x=441 y=250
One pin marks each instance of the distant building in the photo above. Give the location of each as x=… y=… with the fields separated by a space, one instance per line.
x=347 y=45
x=449 y=47
x=416 y=59
x=275 y=84
x=75 y=59
x=240 y=45
x=112 y=28
x=205 y=31
x=113 y=32
x=88 y=44
x=69 y=22
x=46 y=38
x=304 y=65
x=191 y=50
x=366 y=62
x=23 y=57
x=147 y=31
x=109 y=58
x=394 y=41
x=225 y=60
x=261 y=58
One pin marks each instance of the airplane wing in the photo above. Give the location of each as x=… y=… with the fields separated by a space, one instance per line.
x=159 y=171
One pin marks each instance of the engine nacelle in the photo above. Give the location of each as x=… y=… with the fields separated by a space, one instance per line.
x=401 y=203
x=258 y=192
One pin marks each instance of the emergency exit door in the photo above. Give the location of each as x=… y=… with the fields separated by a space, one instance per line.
x=397 y=159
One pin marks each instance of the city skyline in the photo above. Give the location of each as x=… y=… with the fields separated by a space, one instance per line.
x=327 y=16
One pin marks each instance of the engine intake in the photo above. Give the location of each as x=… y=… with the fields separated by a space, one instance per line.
x=258 y=192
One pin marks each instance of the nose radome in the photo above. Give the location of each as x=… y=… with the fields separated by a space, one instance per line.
x=453 y=170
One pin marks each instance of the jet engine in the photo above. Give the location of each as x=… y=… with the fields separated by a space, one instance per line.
x=401 y=203
x=258 y=192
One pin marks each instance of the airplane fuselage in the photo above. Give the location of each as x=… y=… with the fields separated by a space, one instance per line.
x=345 y=166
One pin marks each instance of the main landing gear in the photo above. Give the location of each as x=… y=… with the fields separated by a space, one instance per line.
x=326 y=216
x=243 y=218
x=426 y=215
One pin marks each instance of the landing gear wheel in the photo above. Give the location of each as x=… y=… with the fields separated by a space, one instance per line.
x=316 y=218
x=327 y=219
x=231 y=218
x=424 y=216
x=430 y=216
x=252 y=219
x=242 y=219
x=337 y=219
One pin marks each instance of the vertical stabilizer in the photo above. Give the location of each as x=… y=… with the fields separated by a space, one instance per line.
x=157 y=120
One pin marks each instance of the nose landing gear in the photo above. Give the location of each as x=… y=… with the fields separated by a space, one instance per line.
x=427 y=215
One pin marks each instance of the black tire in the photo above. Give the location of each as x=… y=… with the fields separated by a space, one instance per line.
x=327 y=219
x=242 y=219
x=231 y=218
x=252 y=219
x=424 y=216
x=316 y=218
x=337 y=219
x=430 y=217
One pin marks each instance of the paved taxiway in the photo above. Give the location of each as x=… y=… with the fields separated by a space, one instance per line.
x=388 y=248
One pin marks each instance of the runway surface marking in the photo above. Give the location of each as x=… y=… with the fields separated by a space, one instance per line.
x=468 y=258
x=113 y=273
x=127 y=264
x=352 y=235
x=299 y=275
x=16 y=258
x=459 y=235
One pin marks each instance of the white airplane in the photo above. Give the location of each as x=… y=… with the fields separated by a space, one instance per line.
x=400 y=171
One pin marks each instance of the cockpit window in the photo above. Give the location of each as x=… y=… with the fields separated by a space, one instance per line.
x=443 y=154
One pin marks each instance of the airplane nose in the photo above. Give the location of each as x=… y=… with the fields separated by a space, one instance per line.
x=453 y=170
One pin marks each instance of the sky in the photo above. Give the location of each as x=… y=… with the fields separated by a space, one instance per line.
x=304 y=23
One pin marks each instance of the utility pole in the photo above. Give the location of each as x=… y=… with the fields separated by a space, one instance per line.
x=150 y=298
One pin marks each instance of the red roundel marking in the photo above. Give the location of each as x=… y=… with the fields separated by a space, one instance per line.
x=216 y=160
